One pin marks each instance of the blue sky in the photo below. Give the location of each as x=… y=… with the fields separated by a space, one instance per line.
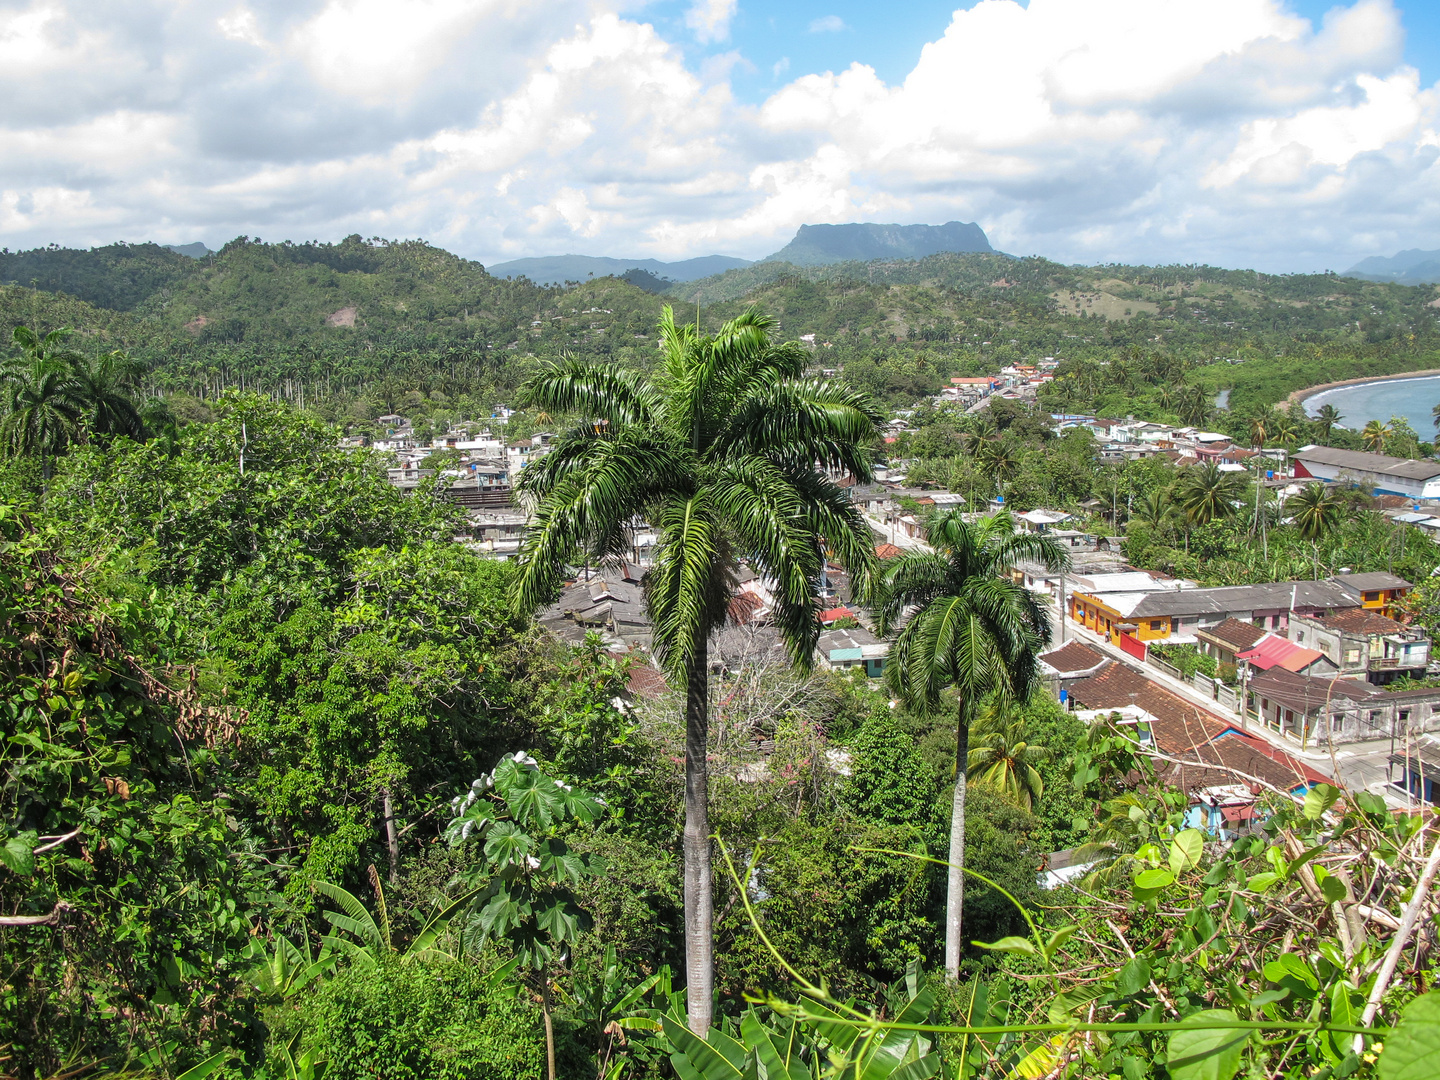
x=805 y=37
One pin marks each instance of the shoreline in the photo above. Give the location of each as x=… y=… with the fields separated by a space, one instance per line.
x=1299 y=397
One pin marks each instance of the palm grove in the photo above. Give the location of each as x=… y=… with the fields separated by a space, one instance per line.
x=294 y=785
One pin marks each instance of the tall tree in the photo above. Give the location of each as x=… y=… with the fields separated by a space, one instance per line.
x=973 y=628
x=1206 y=493
x=1002 y=758
x=44 y=403
x=724 y=452
x=1328 y=416
x=1316 y=510
x=1375 y=434
x=105 y=384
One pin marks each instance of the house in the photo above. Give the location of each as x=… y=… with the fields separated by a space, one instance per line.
x=1379 y=474
x=1069 y=664
x=1160 y=615
x=1214 y=750
x=1376 y=591
x=1362 y=643
x=830 y=616
x=610 y=603
x=1274 y=651
x=1417 y=772
x=842 y=650
x=1320 y=711
x=1040 y=521
x=1227 y=639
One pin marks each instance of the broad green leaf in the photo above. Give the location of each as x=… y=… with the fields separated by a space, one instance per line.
x=1333 y=889
x=1154 y=879
x=1319 y=799
x=506 y=845
x=1186 y=851
x=1291 y=972
x=1062 y=1006
x=1133 y=977
x=18 y=854
x=1041 y=1060
x=1010 y=944
x=1371 y=804
x=1412 y=1049
x=1343 y=1011
x=1261 y=882
x=362 y=923
x=779 y=1052
x=206 y=1067
x=1195 y=1052
x=560 y=920
x=1059 y=938
x=695 y=1058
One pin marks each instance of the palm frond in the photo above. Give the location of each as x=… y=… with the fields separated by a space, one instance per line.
x=690 y=584
x=595 y=390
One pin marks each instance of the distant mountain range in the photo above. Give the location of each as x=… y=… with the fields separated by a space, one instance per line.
x=813 y=245
x=820 y=245
x=558 y=269
x=1413 y=267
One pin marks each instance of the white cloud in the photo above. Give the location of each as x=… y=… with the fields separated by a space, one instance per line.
x=827 y=24
x=1222 y=130
x=710 y=19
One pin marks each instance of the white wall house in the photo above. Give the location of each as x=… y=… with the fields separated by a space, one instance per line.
x=1378 y=473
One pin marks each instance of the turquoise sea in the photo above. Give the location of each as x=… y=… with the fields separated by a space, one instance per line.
x=1411 y=398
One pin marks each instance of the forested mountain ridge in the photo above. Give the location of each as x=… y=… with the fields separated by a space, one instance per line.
x=334 y=318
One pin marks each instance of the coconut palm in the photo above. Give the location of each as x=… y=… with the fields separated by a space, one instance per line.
x=723 y=451
x=1153 y=508
x=1001 y=758
x=1258 y=432
x=1328 y=416
x=1205 y=493
x=44 y=403
x=963 y=622
x=1375 y=434
x=1316 y=510
x=1194 y=405
x=1286 y=432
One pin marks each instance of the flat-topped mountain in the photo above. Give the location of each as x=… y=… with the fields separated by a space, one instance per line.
x=558 y=269
x=819 y=245
x=1412 y=267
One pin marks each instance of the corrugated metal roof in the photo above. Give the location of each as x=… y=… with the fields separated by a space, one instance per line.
x=1359 y=461
x=1275 y=651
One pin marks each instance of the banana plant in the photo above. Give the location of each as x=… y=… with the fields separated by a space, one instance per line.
x=286 y=969
x=375 y=945
x=821 y=1043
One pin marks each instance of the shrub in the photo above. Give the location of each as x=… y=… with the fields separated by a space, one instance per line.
x=442 y=1020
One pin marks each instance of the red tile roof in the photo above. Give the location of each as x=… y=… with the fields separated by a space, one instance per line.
x=831 y=614
x=1238 y=635
x=1073 y=657
x=1275 y=651
x=886 y=551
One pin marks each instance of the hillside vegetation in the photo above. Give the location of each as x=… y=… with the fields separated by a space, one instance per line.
x=331 y=322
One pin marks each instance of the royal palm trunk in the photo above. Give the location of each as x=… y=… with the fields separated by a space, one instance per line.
x=699 y=899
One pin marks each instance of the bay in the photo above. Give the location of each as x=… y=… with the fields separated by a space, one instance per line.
x=1411 y=398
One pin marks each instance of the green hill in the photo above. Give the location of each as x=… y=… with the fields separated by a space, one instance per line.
x=319 y=321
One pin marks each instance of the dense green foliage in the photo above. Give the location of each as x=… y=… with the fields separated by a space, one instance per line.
x=244 y=681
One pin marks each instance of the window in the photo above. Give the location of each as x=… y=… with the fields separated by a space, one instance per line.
x=1338 y=723
x=1371 y=597
x=1352 y=656
x=1157 y=624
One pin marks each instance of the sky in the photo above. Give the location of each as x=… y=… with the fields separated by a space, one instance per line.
x=1284 y=135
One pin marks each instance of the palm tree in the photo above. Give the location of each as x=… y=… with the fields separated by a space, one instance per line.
x=1375 y=433
x=1205 y=493
x=1257 y=432
x=1000 y=758
x=1329 y=416
x=723 y=453
x=44 y=402
x=972 y=628
x=1194 y=405
x=1153 y=507
x=1316 y=510
x=104 y=383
